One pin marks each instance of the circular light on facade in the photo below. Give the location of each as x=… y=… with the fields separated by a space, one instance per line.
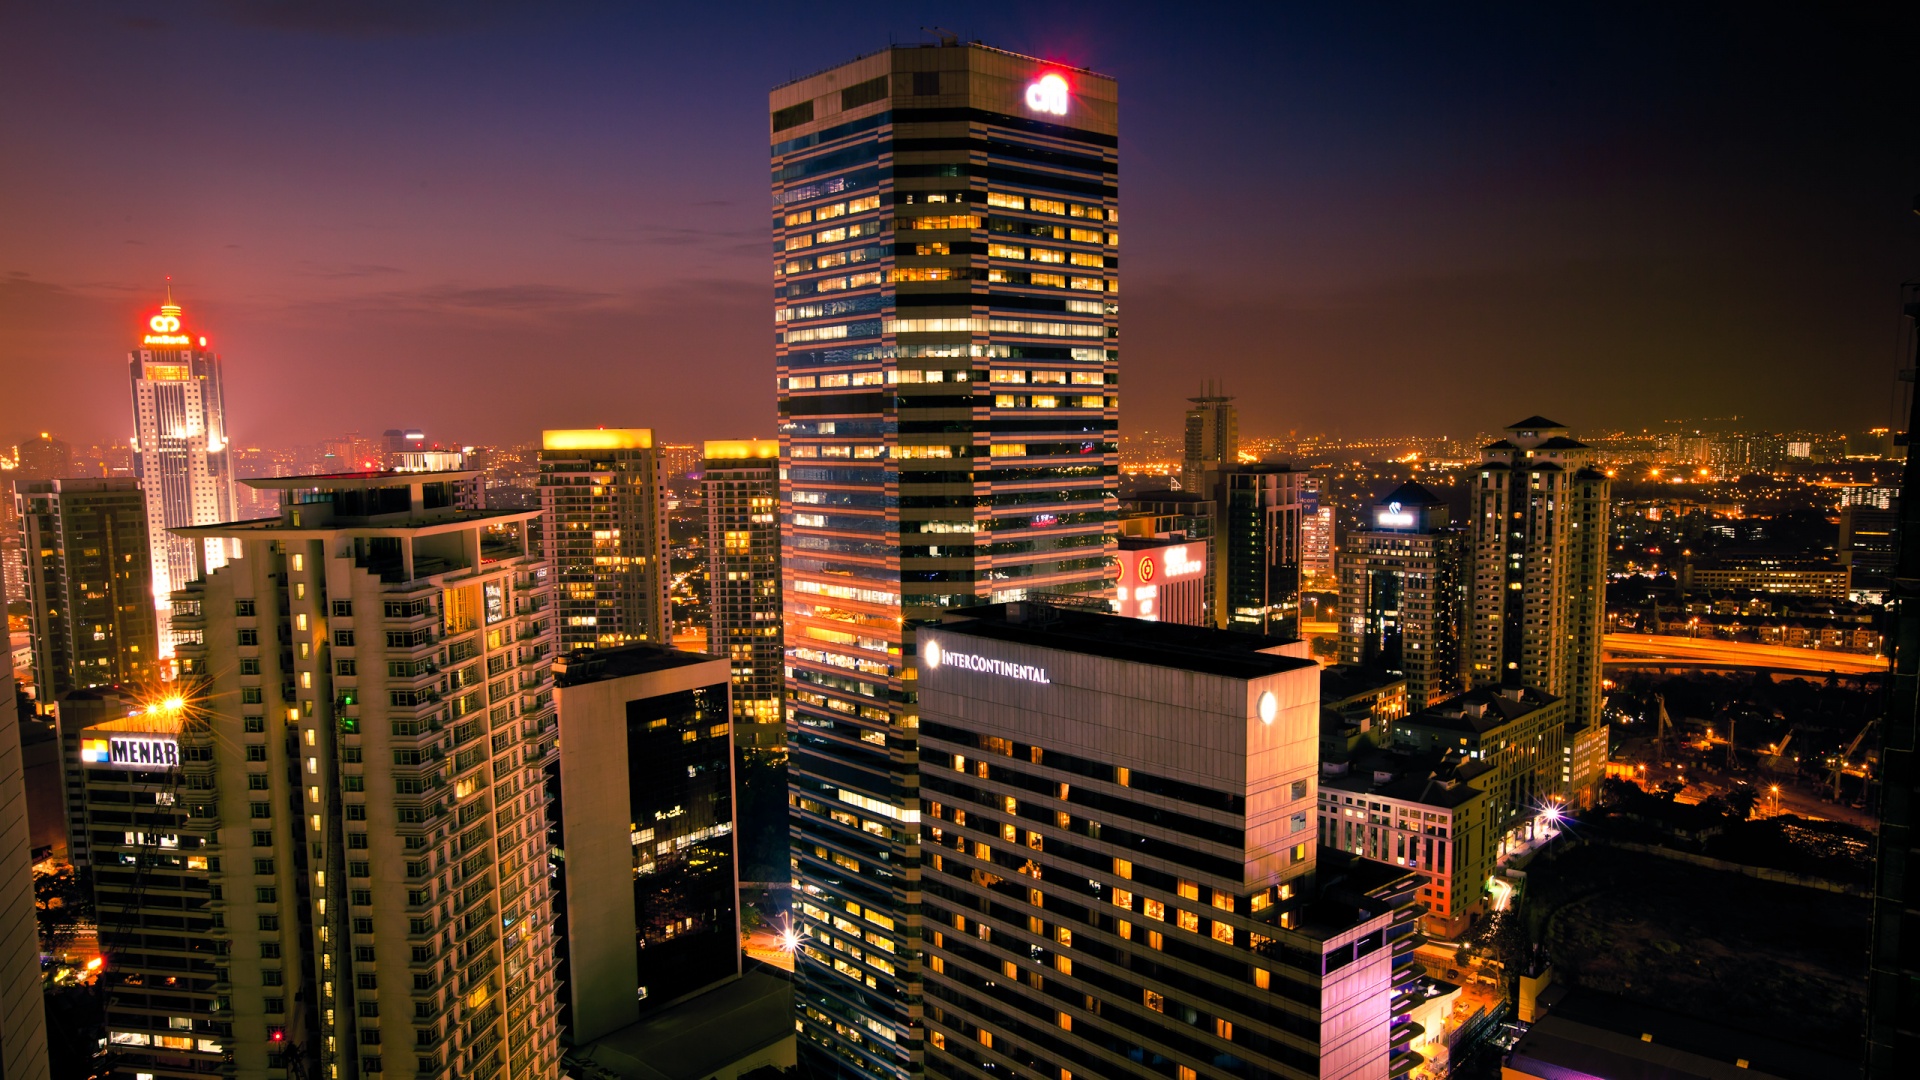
x=1146 y=568
x=1269 y=706
x=930 y=655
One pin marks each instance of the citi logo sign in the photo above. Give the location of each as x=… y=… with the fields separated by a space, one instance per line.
x=1048 y=94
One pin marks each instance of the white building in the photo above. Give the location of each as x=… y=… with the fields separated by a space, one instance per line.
x=179 y=451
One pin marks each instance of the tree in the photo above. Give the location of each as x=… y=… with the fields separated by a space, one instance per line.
x=62 y=902
x=1741 y=801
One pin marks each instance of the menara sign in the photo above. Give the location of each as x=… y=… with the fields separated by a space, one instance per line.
x=131 y=752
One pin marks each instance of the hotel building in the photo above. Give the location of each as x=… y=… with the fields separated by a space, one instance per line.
x=945 y=239
x=1401 y=595
x=89 y=584
x=179 y=450
x=605 y=533
x=647 y=884
x=742 y=489
x=330 y=858
x=1122 y=876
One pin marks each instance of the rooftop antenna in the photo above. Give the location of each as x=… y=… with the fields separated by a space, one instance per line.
x=948 y=38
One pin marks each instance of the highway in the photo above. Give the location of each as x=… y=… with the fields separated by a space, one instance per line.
x=1647 y=650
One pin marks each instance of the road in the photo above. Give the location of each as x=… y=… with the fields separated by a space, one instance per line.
x=1708 y=652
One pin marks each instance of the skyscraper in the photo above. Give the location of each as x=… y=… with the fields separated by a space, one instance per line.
x=180 y=449
x=606 y=535
x=1537 y=606
x=89 y=583
x=1257 y=555
x=742 y=489
x=945 y=247
x=1401 y=595
x=1123 y=876
x=357 y=777
x=1212 y=439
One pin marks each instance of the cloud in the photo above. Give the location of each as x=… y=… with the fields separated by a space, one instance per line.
x=363 y=18
x=676 y=236
x=344 y=272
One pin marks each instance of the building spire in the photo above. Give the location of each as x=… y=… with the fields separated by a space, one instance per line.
x=170 y=308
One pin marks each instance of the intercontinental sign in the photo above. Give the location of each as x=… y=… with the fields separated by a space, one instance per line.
x=935 y=657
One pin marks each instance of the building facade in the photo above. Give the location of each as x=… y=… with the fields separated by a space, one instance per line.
x=1538 y=590
x=23 y=1015
x=346 y=799
x=1212 y=439
x=945 y=262
x=1123 y=877
x=647 y=884
x=1178 y=515
x=180 y=451
x=1519 y=734
x=742 y=488
x=1163 y=580
x=89 y=584
x=1257 y=565
x=1430 y=814
x=605 y=532
x=1402 y=594
x=1318 y=548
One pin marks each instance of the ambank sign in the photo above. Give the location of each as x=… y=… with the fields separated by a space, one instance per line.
x=135 y=752
x=933 y=657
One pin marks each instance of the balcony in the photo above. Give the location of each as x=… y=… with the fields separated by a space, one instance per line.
x=1404 y=1063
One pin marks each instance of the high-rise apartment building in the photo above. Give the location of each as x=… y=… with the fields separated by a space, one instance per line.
x=1318 y=544
x=1257 y=554
x=1402 y=595
x=1537 y=592
x=23 y=1015
x=946 y=243
x=1122 y=875
x=742 y=489
x=605 y=534
x=647 y=887
x=1212 y=439
x=180 y=450
x=89 y=583
x=329 y=855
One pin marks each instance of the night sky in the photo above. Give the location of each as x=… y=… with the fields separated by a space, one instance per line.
x=484 y=219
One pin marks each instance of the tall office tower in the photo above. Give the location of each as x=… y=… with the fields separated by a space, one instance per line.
x=89 y=582
x=1893 y=950
x=23 y=1015
x=742 y=489
x=180 y=450
x=1257 y=568
x=41 y=458
x=375 y=715
x=1213 y=439
x=605 y=534
x=1537 y=591
x=945 y=267
x=1317 y=546
x=646 y=886
x=1122 y=876
x=1402 y=595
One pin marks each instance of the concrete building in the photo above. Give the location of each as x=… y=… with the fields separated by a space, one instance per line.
x=647 y=887
x=1776 y=575
x=605 y=533
x=1257 y=560
x=1318 y=547
x=1537 y=592
x=1518 y=732
x=1430 y=813
x=1178 y=515
x=1163 y=580
x=23 y=1017
x=742 y=488
x=1402 y=595
x=1212 y=439
x=40 y=458
x=180 y=451
x=1122 y=875
x=946 y=256
x=331 y=848
x=1583 y=1033
x=1866 y=548
x=89 y=585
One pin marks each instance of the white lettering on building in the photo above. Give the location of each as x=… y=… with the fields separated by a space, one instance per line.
x=935 y=657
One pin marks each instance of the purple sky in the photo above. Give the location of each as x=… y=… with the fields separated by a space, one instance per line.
x=489 y=218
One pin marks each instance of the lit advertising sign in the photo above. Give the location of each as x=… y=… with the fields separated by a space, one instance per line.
x=933 y=657
x=1048 y=94
x=1393 y=517
x=131 y=752
x=1179 y=565
x=496 y=595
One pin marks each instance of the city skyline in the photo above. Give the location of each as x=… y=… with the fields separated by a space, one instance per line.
x=1545 y=195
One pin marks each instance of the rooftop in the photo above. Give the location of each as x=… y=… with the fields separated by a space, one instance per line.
x=356 y=481
x=1427 y=779
x=596 y=665
x=1344 y=682
x=1190 y=648
x=1586 y=1033
x=698 y=1037
x=1535 y=423
x=1480 y=711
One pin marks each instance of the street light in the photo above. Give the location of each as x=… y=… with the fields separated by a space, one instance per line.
x=1775 y=789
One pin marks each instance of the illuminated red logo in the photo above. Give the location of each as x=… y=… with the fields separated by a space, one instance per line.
x=1048 y=94
x=1146 y=569
x=165 y=324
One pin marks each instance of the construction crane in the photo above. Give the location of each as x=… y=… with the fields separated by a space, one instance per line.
x=1840 y=760
x=1733 y=728
x=1666 y=725
x=1779 y=761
